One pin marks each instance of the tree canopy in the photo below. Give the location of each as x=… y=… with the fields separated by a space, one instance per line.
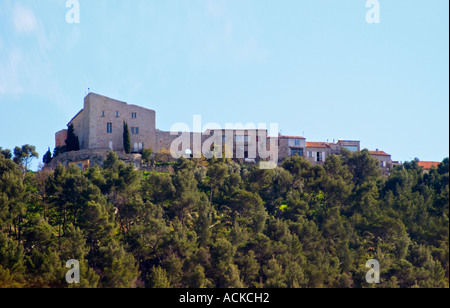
x=217 y=223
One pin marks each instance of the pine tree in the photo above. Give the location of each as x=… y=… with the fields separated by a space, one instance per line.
x=158 y=279
x=126 y=138
x=24 y=155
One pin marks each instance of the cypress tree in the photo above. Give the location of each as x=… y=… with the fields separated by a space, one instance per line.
x=47 y=157
x=126 y=138
x=72 y=143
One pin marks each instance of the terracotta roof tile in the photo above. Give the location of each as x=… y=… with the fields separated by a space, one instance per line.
x=379 y=153
x=316 y=145
x=428 y=164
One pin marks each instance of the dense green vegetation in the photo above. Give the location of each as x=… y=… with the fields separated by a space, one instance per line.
x=220 y=224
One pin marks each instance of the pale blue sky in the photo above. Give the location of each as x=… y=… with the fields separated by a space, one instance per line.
x=315 y=67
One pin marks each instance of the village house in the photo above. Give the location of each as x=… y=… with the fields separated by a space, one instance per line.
x=385 y=160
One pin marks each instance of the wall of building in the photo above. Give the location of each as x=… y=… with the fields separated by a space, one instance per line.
x=81 y=127
x=91 y=124
x=287 y=144
x=385 y=163
x=350 y=145
x=312 y=156
x=60 y=138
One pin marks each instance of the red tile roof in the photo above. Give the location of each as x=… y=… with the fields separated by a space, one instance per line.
x=428 y=164
x=379 y=153
x=316 y=145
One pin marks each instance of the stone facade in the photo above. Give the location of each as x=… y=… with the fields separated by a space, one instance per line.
x=317 y=152
x=99 y=125
x=386 y=164
x=60 y=138
x=290 y=146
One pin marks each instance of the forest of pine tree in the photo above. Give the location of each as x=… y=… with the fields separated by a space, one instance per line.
x=219 y=224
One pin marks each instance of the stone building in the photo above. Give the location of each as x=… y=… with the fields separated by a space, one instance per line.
x=385 y=160
x=60 y=138
x=317 y=152
x=99 y=126
x=290 y=146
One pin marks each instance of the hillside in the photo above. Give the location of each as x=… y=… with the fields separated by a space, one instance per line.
x=219 y=224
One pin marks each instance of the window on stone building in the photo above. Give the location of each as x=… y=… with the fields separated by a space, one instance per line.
x=135 y=130
x=133 y=115
x=109 y=128
x=297 y=142
x=117 y=114
x=103 y=114
x=351 y=148
x=298 y=152
x=138 y=147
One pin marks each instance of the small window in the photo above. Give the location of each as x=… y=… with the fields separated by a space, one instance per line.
x=103 y=114
x=133 y=115
x=297 y=142
x=136 y=130
x=117 y=114
x=132 y=130
x=109 y=128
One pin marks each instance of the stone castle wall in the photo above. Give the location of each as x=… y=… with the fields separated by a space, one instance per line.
x=60 y=138
x=91 y=124
x=95 y=157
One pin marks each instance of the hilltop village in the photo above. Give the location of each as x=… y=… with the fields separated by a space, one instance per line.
x=99 y=129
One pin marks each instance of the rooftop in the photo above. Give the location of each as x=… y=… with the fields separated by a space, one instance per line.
x=317 y=145
x=427 y=165
x=290 y=137
x=379 y=153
